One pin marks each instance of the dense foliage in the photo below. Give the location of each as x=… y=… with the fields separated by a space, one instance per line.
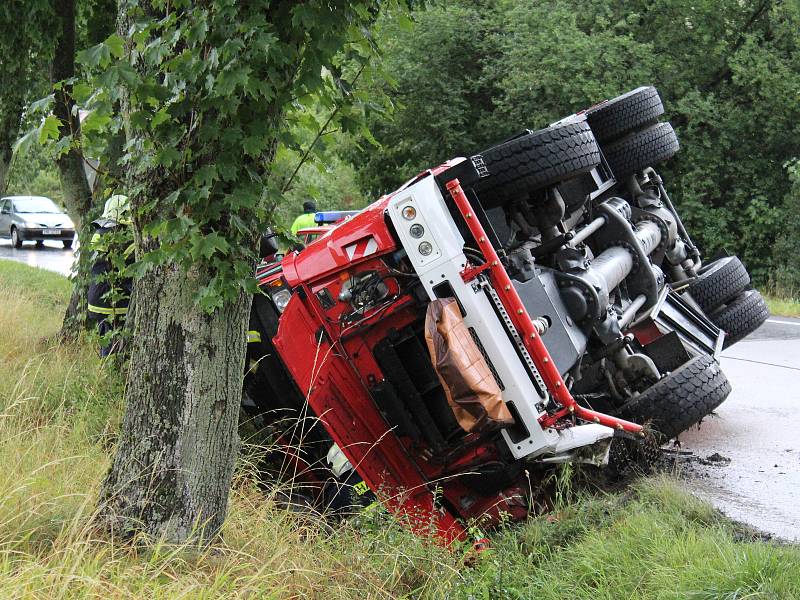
x=212 y=89
x=24 y=52
x=472 y=72
x=468 y=73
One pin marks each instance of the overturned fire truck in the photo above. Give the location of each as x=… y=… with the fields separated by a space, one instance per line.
x=496 y=314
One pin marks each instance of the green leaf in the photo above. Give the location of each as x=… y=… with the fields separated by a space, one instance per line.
x=115 y=45
x=205 y=246
x=160 y=117
x=49 y=129
x=24 y=143
x=167 y=156
x=42 y=104
x=94 y=121
x=253 y=146
x=96 y=56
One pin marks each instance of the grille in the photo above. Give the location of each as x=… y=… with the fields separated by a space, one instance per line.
x=478 y=343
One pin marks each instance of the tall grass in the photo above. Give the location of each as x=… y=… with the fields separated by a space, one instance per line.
x=60 y=408
x=783 y=306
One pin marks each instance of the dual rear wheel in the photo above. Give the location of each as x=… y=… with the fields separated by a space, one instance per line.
x=629 y=133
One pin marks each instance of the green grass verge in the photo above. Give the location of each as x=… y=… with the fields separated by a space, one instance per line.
x=59 y=411
x=43 y=286
x=783 y=307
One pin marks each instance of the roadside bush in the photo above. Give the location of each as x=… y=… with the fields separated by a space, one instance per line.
x=728 y=73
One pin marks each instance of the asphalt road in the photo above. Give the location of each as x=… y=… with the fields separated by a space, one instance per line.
x=53 y=256
x=753 y=439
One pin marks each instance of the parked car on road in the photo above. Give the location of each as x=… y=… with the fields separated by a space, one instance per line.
x=35 y=219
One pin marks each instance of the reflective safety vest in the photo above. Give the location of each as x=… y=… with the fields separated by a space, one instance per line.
x=303 y=221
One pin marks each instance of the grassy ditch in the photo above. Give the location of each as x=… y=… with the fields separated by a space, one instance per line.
x=60 y=408
x=783 y=306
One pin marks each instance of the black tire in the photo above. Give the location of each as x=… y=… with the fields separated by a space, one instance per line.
x=67 y=243
x=741 y=317
x=719 y=282
x=642 y=149
x=16 y=241
x=536 y=160
x=682 y=398
x=628 y=112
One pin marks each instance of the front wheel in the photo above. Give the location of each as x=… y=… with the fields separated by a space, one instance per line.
x=16 y=241
x=680 y=399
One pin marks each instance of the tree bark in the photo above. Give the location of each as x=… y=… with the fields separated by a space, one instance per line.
x=10 y=116
x=71 y=172
x=175 y=457
x=5 y=164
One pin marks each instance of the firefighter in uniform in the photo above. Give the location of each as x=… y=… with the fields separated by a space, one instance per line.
x=109 y=290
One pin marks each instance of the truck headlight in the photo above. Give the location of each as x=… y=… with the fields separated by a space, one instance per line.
x=425 y=248
x=416 y=230
x=281 y=299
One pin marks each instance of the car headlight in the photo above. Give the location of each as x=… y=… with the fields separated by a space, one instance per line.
x=281 y=299
x=31 y=225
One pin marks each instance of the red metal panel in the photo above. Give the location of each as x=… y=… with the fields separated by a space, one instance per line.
x=348 y=413
x=327 y=254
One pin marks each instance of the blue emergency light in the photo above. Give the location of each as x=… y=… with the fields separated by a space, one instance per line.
x=333 y=216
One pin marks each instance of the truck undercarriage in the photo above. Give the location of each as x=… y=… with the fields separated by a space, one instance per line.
x=495 y=315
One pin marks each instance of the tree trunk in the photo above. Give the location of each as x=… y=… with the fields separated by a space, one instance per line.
x=5 y=163
x=12 y=101
x=174 y=463
x=9 y=129
x=71 y=172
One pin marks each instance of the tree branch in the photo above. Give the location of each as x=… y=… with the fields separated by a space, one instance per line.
x=320 y=133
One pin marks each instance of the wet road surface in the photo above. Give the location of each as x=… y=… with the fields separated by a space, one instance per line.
x=52 y=256
x=753 y=439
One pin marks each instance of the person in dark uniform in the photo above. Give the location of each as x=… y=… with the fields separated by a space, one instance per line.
x=109 y=289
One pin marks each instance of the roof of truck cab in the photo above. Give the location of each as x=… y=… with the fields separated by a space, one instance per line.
x=351 y=241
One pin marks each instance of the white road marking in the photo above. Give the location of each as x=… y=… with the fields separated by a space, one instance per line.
x=795 y=323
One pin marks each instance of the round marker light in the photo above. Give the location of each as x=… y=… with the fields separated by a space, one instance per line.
x=417 y=230
x=425 y=248
x=409 y=212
